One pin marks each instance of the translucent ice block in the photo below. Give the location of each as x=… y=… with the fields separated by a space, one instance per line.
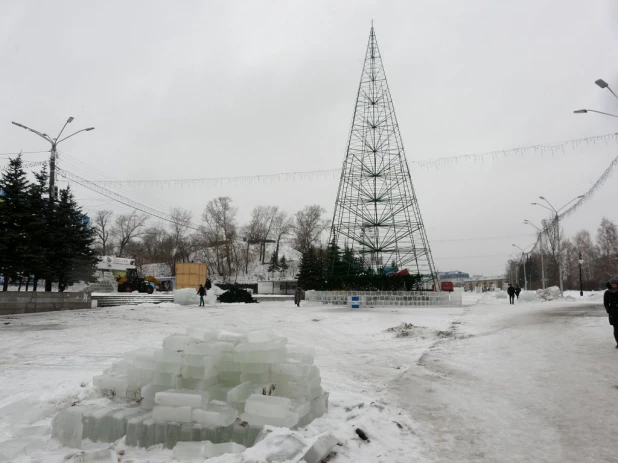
x=302 y=370
x=98 y=456
x=116 y=386
x=219 y=391
x=301 y=354
x=136 y=429
x=261 y=356
x=255 y=377
x=168 y=367
x=189 y=371
x=269 y=406
x=230 y=336
x=263 y=335
x=150 y=390
x=168 y=356
x=177 y=342
x=274 y=343
x=180 y=397
x=67 y=426
x=255 y=368
x=205 y=348
x=163 y=413
x=190 y=451
x=165 y=379
x=210 y=417
x=286 y=420
x=214 y=450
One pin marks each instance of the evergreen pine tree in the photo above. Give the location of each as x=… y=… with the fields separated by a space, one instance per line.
x=74 y=257
x=283 y=265
x=37 y=229
x=14 y=216
x=274 y=263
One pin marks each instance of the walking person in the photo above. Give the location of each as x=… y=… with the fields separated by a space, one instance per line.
x=511 y=292
x=517 y=291
x=202 y=293
x=610 y=301
x=297 y=296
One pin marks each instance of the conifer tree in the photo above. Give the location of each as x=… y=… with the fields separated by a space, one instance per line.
x=14 y=216
x=37 y=229
x=274 y=263
x=74 y=257
x=283 y=265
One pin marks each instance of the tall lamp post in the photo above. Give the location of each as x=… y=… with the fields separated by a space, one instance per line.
x=523 y=256
x=527 y=222
x=601 y=83
x=557 y=220
x=54 y=153
x=581 y=284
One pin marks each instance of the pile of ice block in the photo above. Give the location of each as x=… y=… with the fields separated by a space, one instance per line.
x=206 y=385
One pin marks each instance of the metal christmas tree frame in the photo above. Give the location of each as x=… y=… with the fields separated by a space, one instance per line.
x=376 y=211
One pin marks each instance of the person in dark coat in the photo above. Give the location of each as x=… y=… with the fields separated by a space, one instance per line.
x=297 y=296
x=511 y=292
x=202 y=293
x=517 y=291
x=610 y=301
x=208 y=284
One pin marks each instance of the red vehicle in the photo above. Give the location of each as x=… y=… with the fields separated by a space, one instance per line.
x=446 y=286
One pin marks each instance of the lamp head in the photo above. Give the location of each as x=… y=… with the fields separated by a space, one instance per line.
x=580 y=111
x=541 y=197
x=69 y=120
x=89 y=129
x=601 y=83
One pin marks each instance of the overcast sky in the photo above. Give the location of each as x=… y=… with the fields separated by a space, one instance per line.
x=189 y=89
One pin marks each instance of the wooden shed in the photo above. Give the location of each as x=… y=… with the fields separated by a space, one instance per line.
x=190 y=275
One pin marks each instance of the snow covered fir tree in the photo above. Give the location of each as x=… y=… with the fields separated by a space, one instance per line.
x=42 y=239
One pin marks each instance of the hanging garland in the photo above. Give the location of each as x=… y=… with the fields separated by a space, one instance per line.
x=553 y=149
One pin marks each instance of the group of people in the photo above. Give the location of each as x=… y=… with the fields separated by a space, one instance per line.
x=513 y=291
x=203 y=290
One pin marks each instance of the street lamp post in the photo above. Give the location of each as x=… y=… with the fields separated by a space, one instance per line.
x=523 y=257
x=557 y=220
x=527 y=222
x=601 y=83
x=54 y=152
x=581 y=284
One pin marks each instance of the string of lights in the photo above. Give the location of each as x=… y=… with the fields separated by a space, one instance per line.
x=551 y=149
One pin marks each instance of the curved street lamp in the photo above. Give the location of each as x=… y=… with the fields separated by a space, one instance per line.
x=602 y=84
x=54 y=153
x=557 y=219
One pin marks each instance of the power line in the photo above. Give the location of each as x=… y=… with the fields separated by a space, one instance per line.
x=120 y=199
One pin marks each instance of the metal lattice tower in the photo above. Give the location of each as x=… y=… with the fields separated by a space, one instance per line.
x=376 y=212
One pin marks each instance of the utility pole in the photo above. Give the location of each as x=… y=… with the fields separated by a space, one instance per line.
x=53 y=152
x=54 y=142
x=527 y=222
x=557 y=221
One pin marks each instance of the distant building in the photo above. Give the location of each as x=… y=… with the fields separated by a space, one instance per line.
x=481 y=283
x=458 y=278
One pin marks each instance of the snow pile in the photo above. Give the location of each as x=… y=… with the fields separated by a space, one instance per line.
x=501 y=294
x=548 y=294
x=528 y=296
x=211 y=385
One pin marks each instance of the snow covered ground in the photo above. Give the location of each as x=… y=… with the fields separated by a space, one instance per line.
x=533 y=382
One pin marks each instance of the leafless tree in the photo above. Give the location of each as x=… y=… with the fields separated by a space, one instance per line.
x=308 y=227
x=180 y=234
x=128 y=227
x=607 y=242
x=283 y=225
x=219 y=231
x=102 y=228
